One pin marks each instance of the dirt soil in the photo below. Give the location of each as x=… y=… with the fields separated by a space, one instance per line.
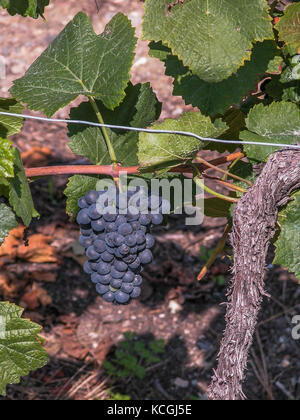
x=80 y=330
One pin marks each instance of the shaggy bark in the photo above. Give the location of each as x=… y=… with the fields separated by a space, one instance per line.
x=253 y=227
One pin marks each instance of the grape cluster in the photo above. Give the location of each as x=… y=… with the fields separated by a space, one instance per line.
x=117 y=245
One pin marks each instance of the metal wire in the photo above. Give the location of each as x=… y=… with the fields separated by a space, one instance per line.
x=151 y=131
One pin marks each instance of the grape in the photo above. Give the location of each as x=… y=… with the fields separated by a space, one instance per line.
x=122 y=297
x=145 y=219
x=92 y=253
x=130 y=240
x=82 y=203
x=157 y=219
x=138 y=280
x=120 y=266
x=91 y=197
x=116 y=274
x=119 y=240
x=136 y=292
x=87 y=268
x=100 y=246
x=125 y=229
x=103 y=268
x=127 y=288
x=93 y=213
x=98 y=225
x=106 y=257
x=129 y=277
x=102 y=288
x=154 y=202
x=83 y=217
x=140 y=238
x=124 y=249
x=85 y=241
x=146 y=257
x=109 y=297
x=150 y=241
x=116 y=283
x=118 y=245
x=110 y=217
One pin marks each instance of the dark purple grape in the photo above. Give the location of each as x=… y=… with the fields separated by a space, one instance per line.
x=150 y=241
x=85 y=241
x=91 y=197
x=140 y=238
x=109 y=297
x=116 y=283
x=157 y=219
x=130 y=240
x=121 y=219
x=120 y=266
x=119 y=240
x=125 y=229
x=100 y=246
x=87 y=268
x=105 y=279
x=129 y=277
x=115 y=274
x=135 y=226
x=96 y=278
x=92 y=253
x=121 y=297
x=134 y=250
x=146 y=257
x=110 y=239
x=102 y=288
x=124 y=249
x=111 y=227
x=136 y=292
x=145 y=219
x=98 y=225
x=93 y=213
x=154 y=202
x=138 y=280
x=93 y=265
x=82 y=203
x=111 y=250
x=109 y=217
x=141 y=247
x=83 y=217
x=127 y=287
x=118 y=254
x=103 y=268
x=129 y=259
x=106 y=257
x=135 y=265
x=86 y=232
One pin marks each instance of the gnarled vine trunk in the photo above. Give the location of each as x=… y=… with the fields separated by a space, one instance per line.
x=253 y=227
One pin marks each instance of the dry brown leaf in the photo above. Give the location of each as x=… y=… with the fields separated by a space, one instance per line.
x=38 y=250
x=11 y=243
x=37 y=156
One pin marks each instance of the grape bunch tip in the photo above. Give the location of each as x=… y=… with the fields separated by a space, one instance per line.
x=118 y=243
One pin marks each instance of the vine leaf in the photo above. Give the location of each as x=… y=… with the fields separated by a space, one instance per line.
x=289 y=27
x=168 y=150
x=10 y=125
x=139 y=109
x=78 y=186
x=215 y=98
x=276 y=123
x=33 y=8
x=20 y=349
x=79 y=62
x=6 y=159
x=288 y=244
x=7 y=221
x=19 y=192
x=214 y=37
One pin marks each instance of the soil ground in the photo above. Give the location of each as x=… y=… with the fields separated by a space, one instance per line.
x=80 y=330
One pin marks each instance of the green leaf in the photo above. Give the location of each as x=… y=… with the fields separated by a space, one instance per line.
x=7 y=221
x=276 y=123
x=10 y=125
x=289 y=27
x=168 y=150
x=284 y=87
x=77 y=187
x=213 y=37
x=216 y=98
x=20 y=196
x=215 y=207
x=79 y=62
x=6 y=159
x=288 y=244
x=139 y=108
x=33 y=8
x=20 y=350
